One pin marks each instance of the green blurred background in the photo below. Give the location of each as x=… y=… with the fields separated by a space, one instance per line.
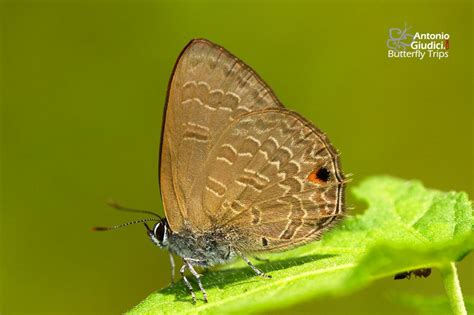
x=83 y=87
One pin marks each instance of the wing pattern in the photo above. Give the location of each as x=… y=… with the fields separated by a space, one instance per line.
x=258 y=180
x=208 y=89
x=232 y=157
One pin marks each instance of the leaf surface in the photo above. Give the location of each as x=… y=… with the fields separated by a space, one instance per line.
x=405 y=227
x=431 y=305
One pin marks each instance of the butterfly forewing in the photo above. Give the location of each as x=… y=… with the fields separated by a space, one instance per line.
x=209 y=89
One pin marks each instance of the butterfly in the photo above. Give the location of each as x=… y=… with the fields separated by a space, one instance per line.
x=239 y=173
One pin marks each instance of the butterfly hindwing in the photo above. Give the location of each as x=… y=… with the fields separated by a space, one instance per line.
x=274 y=177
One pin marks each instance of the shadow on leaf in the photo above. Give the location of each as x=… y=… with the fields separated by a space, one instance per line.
x=229 y=277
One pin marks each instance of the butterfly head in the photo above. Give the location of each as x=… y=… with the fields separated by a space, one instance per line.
x=159 y=234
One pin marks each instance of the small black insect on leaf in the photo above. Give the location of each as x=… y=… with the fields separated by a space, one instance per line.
x=402 y=275
x=419 y=273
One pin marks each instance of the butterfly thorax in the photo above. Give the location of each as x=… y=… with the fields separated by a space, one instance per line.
x=205 y=249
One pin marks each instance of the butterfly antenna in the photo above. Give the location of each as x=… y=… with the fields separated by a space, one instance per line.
x=116 y=206
x=118 y=226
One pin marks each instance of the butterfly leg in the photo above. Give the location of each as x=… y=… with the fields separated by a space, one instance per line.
x=172 y=267
x=255 y=269
x=186 y=282
x=197 y=276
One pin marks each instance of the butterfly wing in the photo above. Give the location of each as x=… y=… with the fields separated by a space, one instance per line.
x=208 y=90
x=273 y=178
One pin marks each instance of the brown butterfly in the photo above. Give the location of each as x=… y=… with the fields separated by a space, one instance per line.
x=239 y=173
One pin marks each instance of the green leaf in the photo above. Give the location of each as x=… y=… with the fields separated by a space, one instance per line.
x=431 y=305
x=405 y=227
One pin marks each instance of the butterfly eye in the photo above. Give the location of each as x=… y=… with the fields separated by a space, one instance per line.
x=321 y=175
x=159 y=231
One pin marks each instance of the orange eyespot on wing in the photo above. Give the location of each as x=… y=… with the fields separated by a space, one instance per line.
x=319 y=176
